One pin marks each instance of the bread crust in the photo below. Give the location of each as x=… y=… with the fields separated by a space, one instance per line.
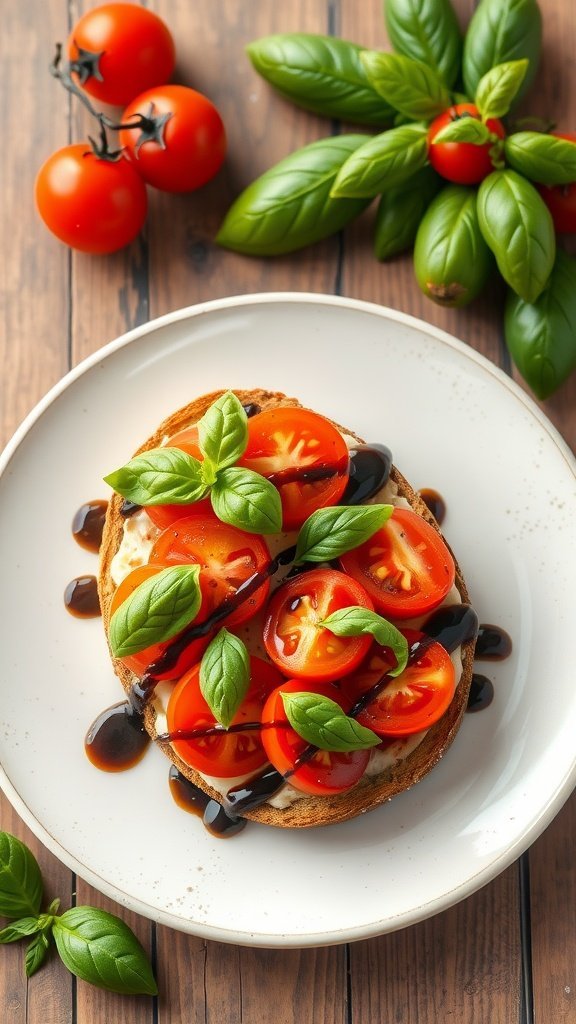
x=371 y=791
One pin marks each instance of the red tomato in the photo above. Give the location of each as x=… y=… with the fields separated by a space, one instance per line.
x=138 y=663
x=414 y=700
x=561 y=199
x=293 y=448
x=118 y=50
x=461 y=162
x=223 y=753
x=293 y=637
x=406 y=567
x=326 y=772
x=94 y=204
x=182 y=146
x=164 y=515
x=227 y=556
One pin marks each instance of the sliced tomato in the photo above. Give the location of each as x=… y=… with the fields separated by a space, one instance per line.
x=406 y=567
x=293 y=635
x=138 y=663
x=228 y=557
x=164 y=515
x=324 y=773
x=303 y=455
x=415 y=699
x=223 y=753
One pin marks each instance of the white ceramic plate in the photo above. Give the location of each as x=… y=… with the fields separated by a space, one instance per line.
x=454 y=423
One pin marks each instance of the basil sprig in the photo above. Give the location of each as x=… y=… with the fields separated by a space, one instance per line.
x=498 y=88
x=225 y=675
x=410 y=86
x=93 y=944
x=331 y=532
x=464 y=129
x=358 y=621
x=427 y=30
x=160 y=476
x=322 y=722
x=241 y=496
x=546 y=159
x=156 y=610
x=500 y=31
x=383 y=161
x=223 y=431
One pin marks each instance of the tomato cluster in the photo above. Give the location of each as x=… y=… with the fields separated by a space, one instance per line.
x=171 y=137
x=403 y=571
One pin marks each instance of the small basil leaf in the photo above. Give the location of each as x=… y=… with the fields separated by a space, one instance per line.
x=400 y=211
x=225 y=676
x=500 y=31
x=20 y=879
x=160 y=476
x=290 y=205
x=428 y=31
x=498 y=88
x=331 y=532
x=540 y=336
x=464 y=129
x=320 y=73
x=19 y=929
x=102 y=950
x=355 y=621
x=223 y=431
x=247 y=500
x=518 y=227
x=543 y=158
x=408 y=85
x=451 y=259
x=36 y=953
x=383 y=161
x=156 y=610
x=322 y=722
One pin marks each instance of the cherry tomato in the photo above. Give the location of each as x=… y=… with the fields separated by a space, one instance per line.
x=94 y=204
x=406 y=567
x=138 y=663
x=119 y=50
x=461 y=162
x=222 y=753
x=227 y=557
x=294 y=448
x=164 y=515
x=326 y=772
x=561 y=199
x=182 y=146
x=412 y=701
x=293 y=636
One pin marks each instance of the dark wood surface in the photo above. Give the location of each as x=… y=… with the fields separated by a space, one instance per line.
x=507 y=955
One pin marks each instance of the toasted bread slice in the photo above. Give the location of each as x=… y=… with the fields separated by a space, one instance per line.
x=372 y=790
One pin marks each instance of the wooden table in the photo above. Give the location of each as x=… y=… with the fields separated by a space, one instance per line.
x=506 y=954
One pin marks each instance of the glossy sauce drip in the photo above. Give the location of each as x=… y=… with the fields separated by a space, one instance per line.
x=435 y=503
x=194 y=800
x=308 y=474
x=252 y=409
x=481 y=693
x=493 y=643
x=128 y=508
x=370 y=466
x=88 y=524
x=81 y=597
x=117 y=739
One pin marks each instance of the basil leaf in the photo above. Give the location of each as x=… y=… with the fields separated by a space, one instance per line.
x=464 y=129
x=156 y=610
x=330 y=532
x=19 y=929
x=225 y=676
x=428 y=31
x=518 y=227
x=160 y=476
x=20 y=879
x=223 y=431
x=501 y=31
x=409 y=85
x=36 y=953
x=322 y=722
x=543 y=158
x=101 y=949
x=498 y=88
x=247 y=500
x=355 y=621
x=290 y=205
x=541 y=336
x=320 y=73
x=400 y=211
x=383 y=161
x=451 y=259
